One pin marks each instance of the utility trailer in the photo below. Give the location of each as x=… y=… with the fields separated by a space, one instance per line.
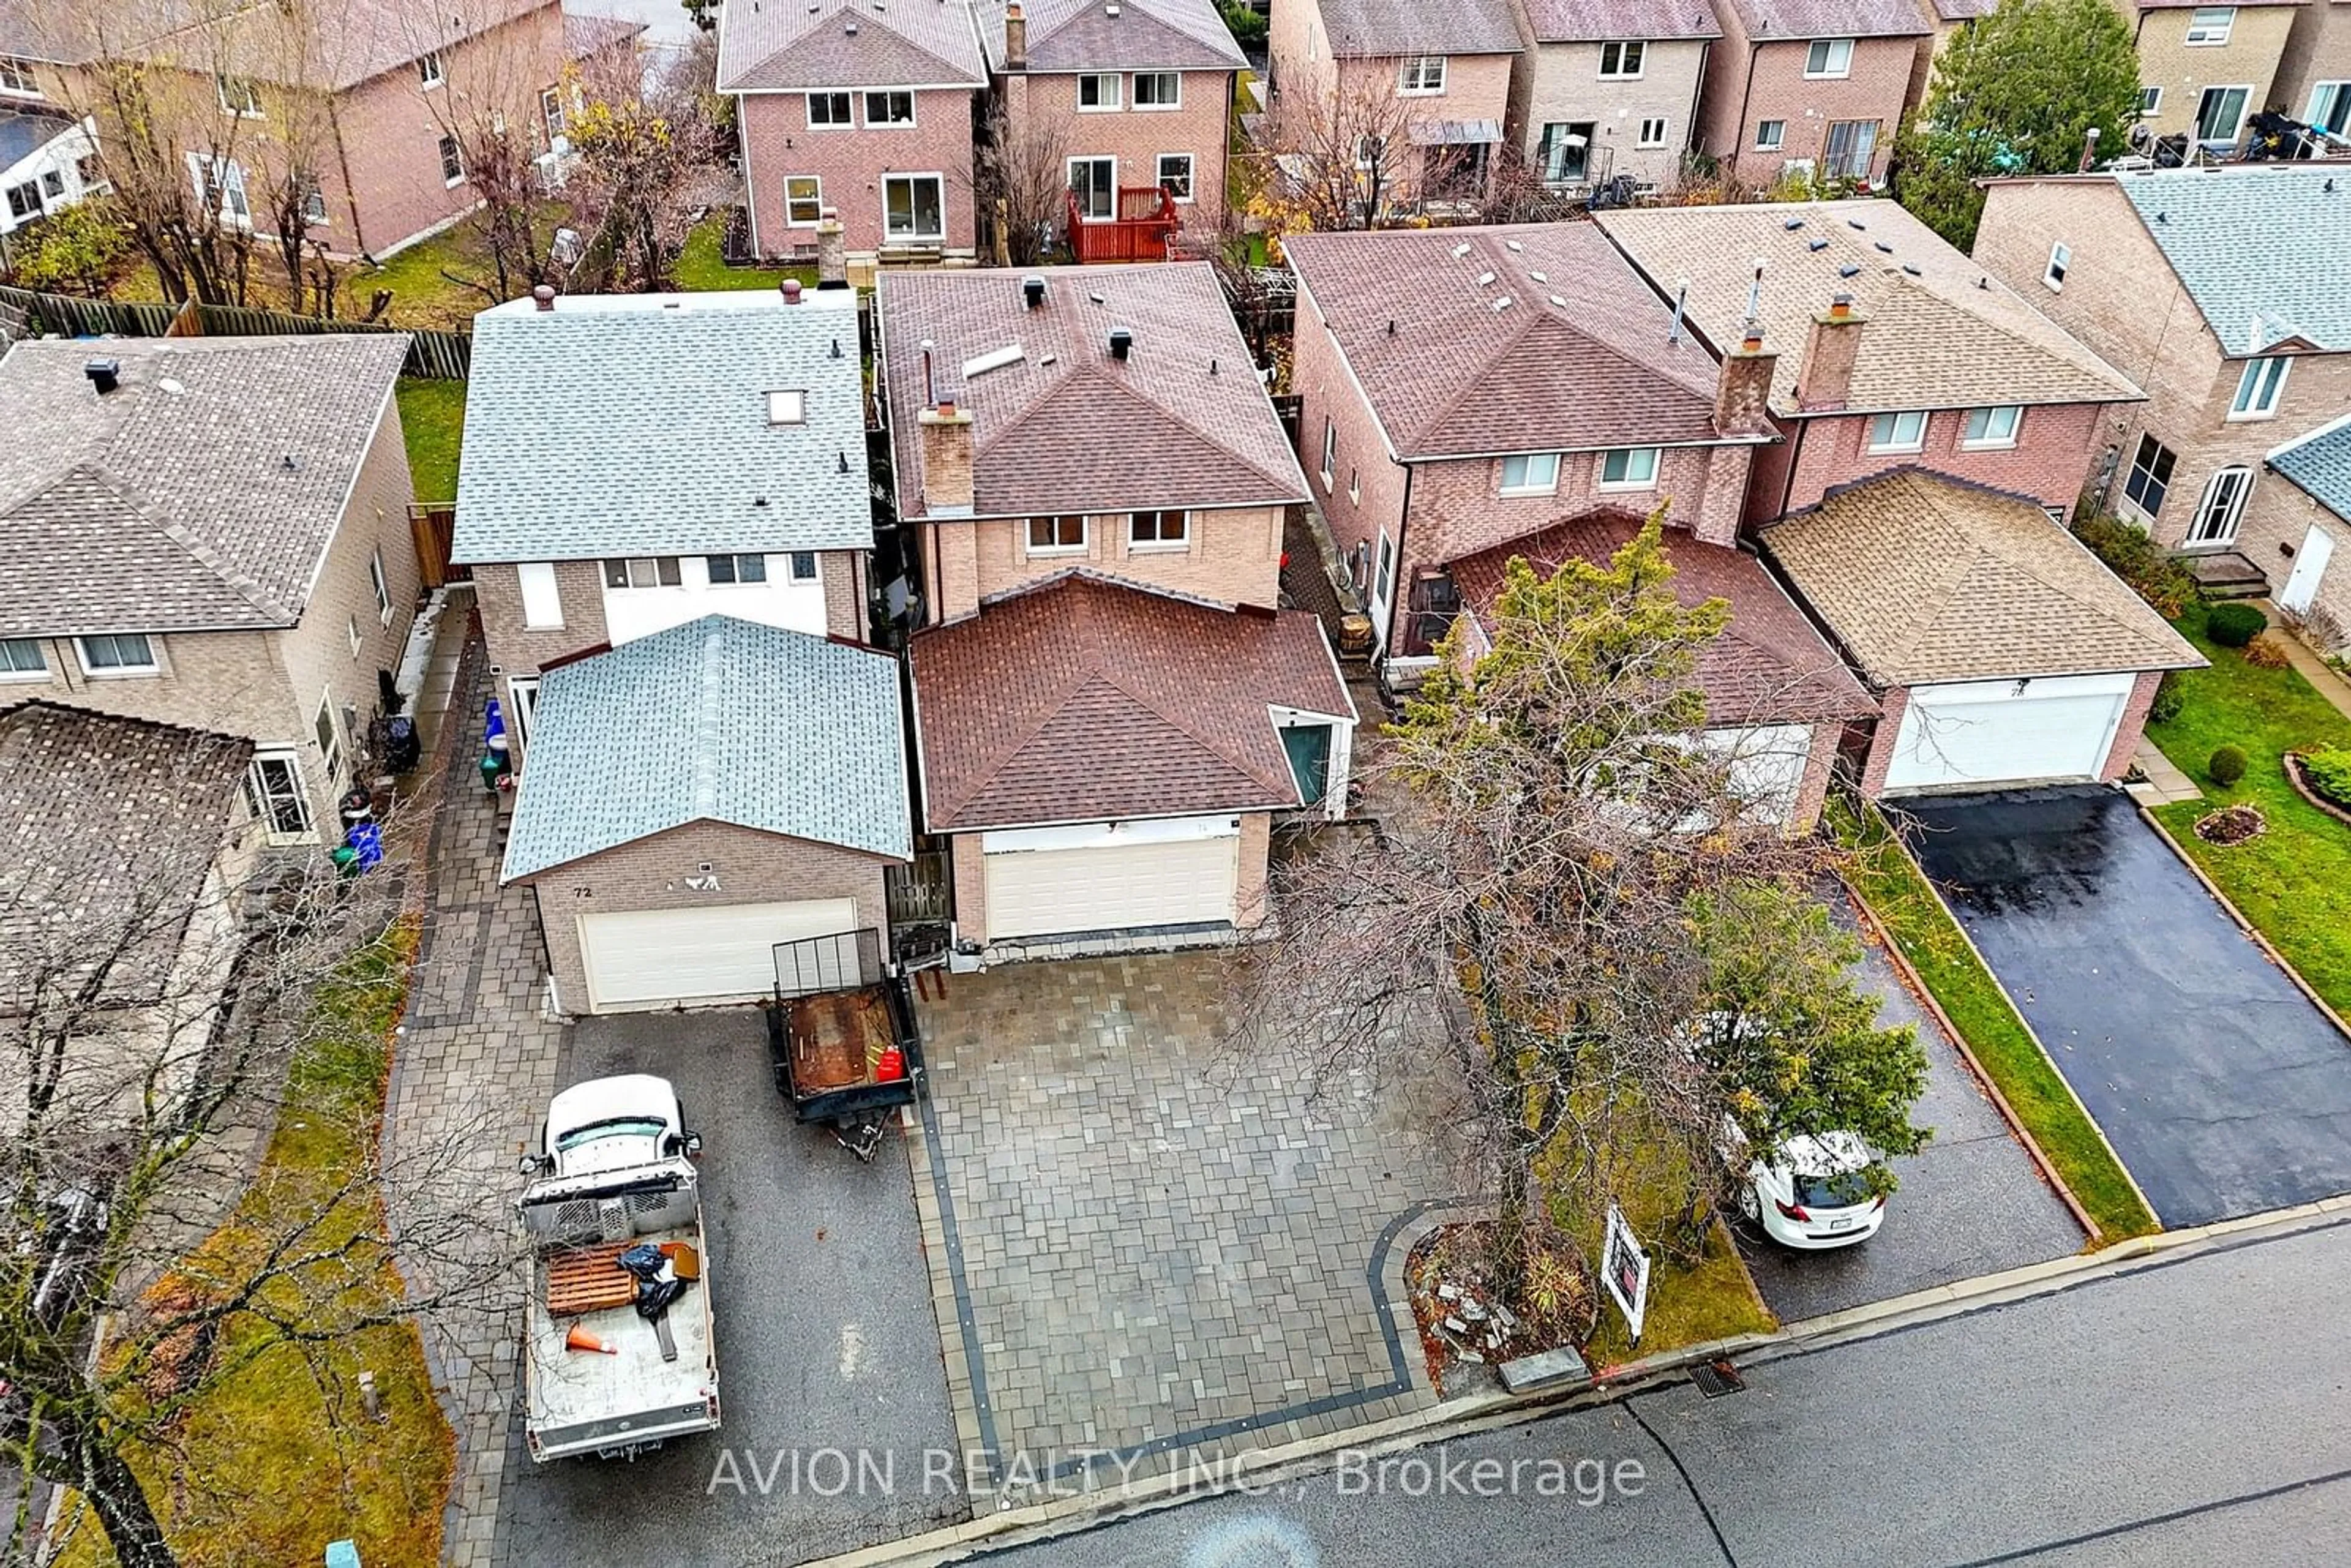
x=842 y=1036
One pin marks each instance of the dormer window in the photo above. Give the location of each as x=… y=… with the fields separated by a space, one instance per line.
x=789 y=406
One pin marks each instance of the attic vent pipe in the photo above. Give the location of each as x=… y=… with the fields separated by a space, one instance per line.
x=104 y=374
x=1121 y=343
x=1032 y=289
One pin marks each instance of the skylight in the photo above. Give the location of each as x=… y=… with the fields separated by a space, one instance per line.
x=788 y=407
x=994 y=359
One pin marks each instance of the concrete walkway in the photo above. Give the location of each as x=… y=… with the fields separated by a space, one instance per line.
x=2313 y=669
x=2165 y=783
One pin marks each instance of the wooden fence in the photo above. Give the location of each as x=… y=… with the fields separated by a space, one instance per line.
x=437 y=355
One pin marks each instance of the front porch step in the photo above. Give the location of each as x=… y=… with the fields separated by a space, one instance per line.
x=2225 y=574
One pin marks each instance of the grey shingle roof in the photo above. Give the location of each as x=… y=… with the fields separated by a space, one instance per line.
x=718 y=720
x=1586 y=21
x=1382 y=30
x=2320 y=463
x=638 y=424
x=785 y=44
x=1769 y=20
x=201 y=493
x=2264 y=252
x=1145 y=35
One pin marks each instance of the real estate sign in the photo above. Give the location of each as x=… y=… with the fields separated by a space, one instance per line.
x=1625 y=1270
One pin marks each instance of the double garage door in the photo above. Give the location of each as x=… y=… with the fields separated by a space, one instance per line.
x=642 y=958
x=1983 y=733
x=1108 y=882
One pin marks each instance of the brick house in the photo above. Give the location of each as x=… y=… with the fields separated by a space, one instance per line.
x=723 y=474
x=864 y=108
x=2205 y=68
x=1439 y=76
x=1110 y=710
x=2297 y=520
x=1801 y=84
x=1610 y=87
x=2220 y=291
x=1136 y=96
x=212 y=533
x=1950 y=18
x=2313 y=74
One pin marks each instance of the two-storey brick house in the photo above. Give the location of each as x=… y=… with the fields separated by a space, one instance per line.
x=2222 y=292
x=212 y=533
x=2204 y=70
x=1109 y=709
x=1812 y=85
x=1610 y=88
x=861 y=107
x=2313 y=74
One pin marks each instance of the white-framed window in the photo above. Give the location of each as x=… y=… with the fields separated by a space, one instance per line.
x=1629 y=468
x=21 y=659
x=891 y=110
x=1094 y=183
x=1993 y=426
x=1622 y=61
x=1384 y=579
x=329 y=733
x=1158 y=90
x=382 y=586
x=829 y=111
x=522 y=703
x=1064 y=535
x=1421 y=75
x=913 y=207
x=453 y=162
x=220 y=185
x=274 y=791
x=643 y=571
x=2221 y=113
x=2149 y=480
x=1903 y=431
x=802 y=565
x=788 y=405
x=2210 y=25
x=2223 y=504
x=1329 y=450
x=1851 y=148
x=238 y=97
x=352 y=629
x=314 y=205
x=2150 y=102
x=542 y=596
x=1355 y=485
x=1158 y=530
x=429 y=71
x=1829 y=57
x=2061 y=261
x=118 y=654
x=1174 y=174
x=732 y=570
x=803 y=200
x=25 y=200
x=2257 y=388
x=1530 y=474
x=2330 y=107
x=1653 y=131
x=551 y=111
x=1770 y=134
x=1099 y=91
x=16 y=77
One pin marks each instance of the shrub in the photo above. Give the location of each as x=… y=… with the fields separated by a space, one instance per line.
x=2132 y=554
x=2227 y=766
x=2328 y=774
x=2170 y=696
x=2267 y=652
x=2234 y=625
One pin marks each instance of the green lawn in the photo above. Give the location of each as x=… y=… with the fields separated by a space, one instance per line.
x=2293 y=882
x=701 y=268
x=432 y=415
x=1890 y=882
x=1698 y=1303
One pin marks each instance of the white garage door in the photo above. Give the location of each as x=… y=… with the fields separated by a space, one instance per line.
x=660 y=958
x=1035 y=893
x=1989 y=732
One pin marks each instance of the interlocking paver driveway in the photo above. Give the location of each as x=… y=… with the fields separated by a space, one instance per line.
x=1161 y=1249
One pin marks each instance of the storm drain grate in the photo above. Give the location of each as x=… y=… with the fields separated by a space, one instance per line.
x=1717 y=1378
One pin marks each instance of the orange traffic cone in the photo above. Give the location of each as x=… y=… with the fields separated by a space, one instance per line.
x=580 y=1339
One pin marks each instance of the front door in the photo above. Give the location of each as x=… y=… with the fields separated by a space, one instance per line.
x=2309 y=565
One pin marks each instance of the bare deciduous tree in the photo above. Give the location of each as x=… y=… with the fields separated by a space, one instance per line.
x=1338 y=151
x=648 y=158
x=1020 y=181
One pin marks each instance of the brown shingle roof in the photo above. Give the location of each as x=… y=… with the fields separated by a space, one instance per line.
x=1770 y=666
x=1180 y=422
x=1926 y=579
x=1142 y=34
x=1078 y=699
x=783 y=44
x=1587 y=21
x=1378 y=29
x=1579 y=358
x=1768 y=20
x=1945 y=336
x=586 y=35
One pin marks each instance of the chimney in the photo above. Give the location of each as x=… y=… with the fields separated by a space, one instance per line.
x=791 y=290
x=832 y=250
x=947 y=460
x=104 y=374
x=1742 y=389
x=1121 y=343
x=1016 y=37
x=1032 y=289
x=1826 y=374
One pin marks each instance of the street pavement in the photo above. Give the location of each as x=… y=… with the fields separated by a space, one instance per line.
x=2186 y=1410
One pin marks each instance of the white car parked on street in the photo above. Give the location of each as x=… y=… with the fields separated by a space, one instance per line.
x=1812 y=1193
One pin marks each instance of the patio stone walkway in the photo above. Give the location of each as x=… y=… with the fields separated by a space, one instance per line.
x=1139 y=1245
x=2164 y=782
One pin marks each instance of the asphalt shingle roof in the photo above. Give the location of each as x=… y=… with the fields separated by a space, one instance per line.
x=1579 y=358
x=1145 y=35
x=2320 y=463
x=637 y=425
x=718 y=720
x=199 y=494
x=107 y=827
x=1925 y=579
x=1182 y=421
x=783 y=44
x=1381 y=29
x=1768 y=21
x=1770 y=666
x=34 y=30
x=2264 y=252
x=1588 y=21
x=1939 y=333
x=1077 y=699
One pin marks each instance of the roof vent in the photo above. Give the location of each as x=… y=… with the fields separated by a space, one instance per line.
x=1121 y=343
x=1461 y=250
x=1095 y=296
x=543 y=296
x=1848 y=270
x=1499 y=306
x=1032 y=289
x=1883 y=247
x=791 y=290
x=1792 y=224
x=1855 y=223
x=104 y=374
x=1556 y=300
x=1539 y=277
x=1485 y=279
x=852 y=26
x=1912 y=270
x=1111 y=9
x=1816 y=244
x=1512 y=245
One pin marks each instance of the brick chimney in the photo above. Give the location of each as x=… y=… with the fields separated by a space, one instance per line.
x=832 y=250
x=1742 y=390
x=947 y=460
x=1016 y=37
x=1827 y=374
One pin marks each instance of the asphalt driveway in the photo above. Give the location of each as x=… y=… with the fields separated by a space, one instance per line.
x=826 y=1342
x=1972 y=1202
x=2224 y=1091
